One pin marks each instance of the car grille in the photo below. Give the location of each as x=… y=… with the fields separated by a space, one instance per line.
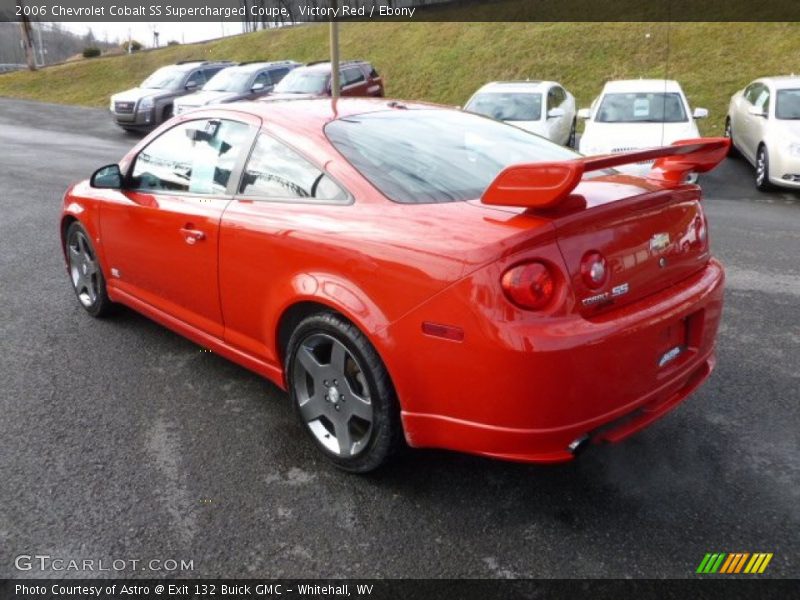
x=124 y=107
x=627 y=149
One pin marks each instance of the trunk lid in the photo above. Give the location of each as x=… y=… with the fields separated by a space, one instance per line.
x=651 y=238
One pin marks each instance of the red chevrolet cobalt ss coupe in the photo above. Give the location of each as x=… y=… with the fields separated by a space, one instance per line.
x=411 y=273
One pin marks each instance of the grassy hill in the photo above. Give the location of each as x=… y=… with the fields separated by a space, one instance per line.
x=446 y=62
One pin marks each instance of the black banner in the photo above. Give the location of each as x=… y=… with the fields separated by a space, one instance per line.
x=282 y=12
x=731 y=588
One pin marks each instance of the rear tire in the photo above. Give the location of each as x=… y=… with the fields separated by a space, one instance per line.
x=762 y=170
x=342 y=394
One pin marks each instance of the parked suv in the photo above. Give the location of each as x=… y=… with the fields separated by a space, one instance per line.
x=246 y=81
x=150 y=104
x=356 y=78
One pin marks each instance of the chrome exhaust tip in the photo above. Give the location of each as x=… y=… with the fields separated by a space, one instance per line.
x=578 y=444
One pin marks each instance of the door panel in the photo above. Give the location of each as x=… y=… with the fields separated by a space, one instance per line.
x=163 y=250
x=161 y=234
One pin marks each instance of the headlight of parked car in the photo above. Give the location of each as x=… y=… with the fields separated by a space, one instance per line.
x=146 y=103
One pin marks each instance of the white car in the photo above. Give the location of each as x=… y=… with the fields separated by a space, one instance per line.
x=764 y=126
x=636 y=114
x=541 y=107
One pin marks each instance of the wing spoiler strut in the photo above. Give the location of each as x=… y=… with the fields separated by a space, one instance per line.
x=546 y=185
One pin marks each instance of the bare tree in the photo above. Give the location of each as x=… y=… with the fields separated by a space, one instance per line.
x=27 y=40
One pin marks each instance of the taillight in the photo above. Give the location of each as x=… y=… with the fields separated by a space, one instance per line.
x=529 y=285
x=594 y=270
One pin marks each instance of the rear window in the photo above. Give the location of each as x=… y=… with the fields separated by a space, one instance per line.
x=426 y=155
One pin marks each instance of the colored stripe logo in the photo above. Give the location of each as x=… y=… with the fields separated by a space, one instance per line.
x=736 y=562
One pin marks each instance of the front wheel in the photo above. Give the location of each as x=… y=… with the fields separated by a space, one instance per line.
x=342 y=393
x=762 y=170
x=85 y=272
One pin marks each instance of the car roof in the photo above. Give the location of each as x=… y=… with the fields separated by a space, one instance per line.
x=642 y=85
x=258 y=65
x=189 y=65
x=528 y=85
x=325 y=65
x=782 y=81
x=317 y=112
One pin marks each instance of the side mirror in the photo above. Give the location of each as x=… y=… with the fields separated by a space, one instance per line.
x=108 y=177
x=192 y=85
x=756 y=111
x=258 y=87
x=700 y=113
x=585 y=113
x=555 y=113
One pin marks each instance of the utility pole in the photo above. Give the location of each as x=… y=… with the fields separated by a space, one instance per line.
x=334 y=54
x=27 y=42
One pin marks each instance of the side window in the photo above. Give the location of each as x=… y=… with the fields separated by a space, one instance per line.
x=264 y=78
x=762 y=100
x=277 y=172
x=552 y=99
x=278 y=74
x=210 y=72
x=751 y=92
x=197 y=78
x=352 y=76
x=195 y=157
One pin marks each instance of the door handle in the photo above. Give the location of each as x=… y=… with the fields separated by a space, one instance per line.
x=192 y=236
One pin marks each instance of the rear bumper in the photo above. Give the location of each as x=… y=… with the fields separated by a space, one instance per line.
x=558 y=444
x=532 y=392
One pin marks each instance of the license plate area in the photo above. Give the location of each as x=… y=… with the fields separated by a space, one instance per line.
x=679 y=341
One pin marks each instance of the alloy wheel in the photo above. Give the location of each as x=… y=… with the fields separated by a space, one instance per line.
x=761 y=167
x=332 y=395
x=83 y=269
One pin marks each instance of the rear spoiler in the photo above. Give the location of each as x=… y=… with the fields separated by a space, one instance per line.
x=546 y=185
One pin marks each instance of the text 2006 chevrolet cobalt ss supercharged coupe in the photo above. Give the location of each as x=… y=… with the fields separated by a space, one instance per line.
x=411 y=273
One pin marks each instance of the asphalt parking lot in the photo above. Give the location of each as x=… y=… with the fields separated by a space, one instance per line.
x=122 y=440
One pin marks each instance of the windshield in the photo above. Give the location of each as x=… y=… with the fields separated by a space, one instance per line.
x=641 y=108
x=228 y=80
x=423 y=156
x=166 y=78
x=299 y=82
x=507 y=106
x=788 y=104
